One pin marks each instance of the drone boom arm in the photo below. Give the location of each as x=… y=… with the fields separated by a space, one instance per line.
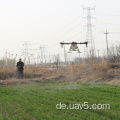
x=84 y=43
x=62 y=43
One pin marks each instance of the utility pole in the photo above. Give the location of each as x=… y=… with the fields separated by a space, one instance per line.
x=64 y=54
x=79 y=57
x=98 y=53
x=49 y=59
x=38 y=58
x=6 y=57
x=107 y=41
x=41 y=48
x=44 y=53
x=89 y=35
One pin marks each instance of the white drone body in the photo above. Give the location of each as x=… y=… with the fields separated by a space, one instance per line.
x=74 y=46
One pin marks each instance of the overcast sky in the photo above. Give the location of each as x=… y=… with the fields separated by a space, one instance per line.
x=49 y=22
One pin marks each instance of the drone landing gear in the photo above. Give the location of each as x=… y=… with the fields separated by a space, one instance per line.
x=70 y=51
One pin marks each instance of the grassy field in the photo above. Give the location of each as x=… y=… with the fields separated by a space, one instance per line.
x=38 y=100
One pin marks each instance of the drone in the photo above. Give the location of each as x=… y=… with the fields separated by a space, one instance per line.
x=74 y=46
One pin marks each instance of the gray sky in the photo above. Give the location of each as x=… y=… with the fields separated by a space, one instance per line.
x=48 y=22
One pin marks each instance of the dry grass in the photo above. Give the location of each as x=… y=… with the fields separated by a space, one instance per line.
x=29 y=72
x=12 y=82
x=102 y=66
x=102 y=72
x=7 y=72
x=73 y=72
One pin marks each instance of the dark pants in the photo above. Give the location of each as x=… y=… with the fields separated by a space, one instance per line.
x=20 y=74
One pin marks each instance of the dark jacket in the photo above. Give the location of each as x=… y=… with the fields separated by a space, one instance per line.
x=21 y=64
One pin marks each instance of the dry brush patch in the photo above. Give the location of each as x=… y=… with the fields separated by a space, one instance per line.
x=7 y=72
x=104 y=72
x=29 y=72
x=73 y=72
x=33 y=71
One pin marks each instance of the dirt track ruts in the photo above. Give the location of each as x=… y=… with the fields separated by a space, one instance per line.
x=16 y=114
x=30 y=117
x=4 y=112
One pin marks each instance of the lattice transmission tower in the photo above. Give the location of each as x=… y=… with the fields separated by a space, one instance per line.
x=25 y=52
x=90 y=51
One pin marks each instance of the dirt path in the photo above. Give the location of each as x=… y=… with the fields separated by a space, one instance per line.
x=83 y=79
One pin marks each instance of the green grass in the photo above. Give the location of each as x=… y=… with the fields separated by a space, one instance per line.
x=39 y=100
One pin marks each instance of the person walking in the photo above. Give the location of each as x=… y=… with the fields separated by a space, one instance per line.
x=20 y=66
